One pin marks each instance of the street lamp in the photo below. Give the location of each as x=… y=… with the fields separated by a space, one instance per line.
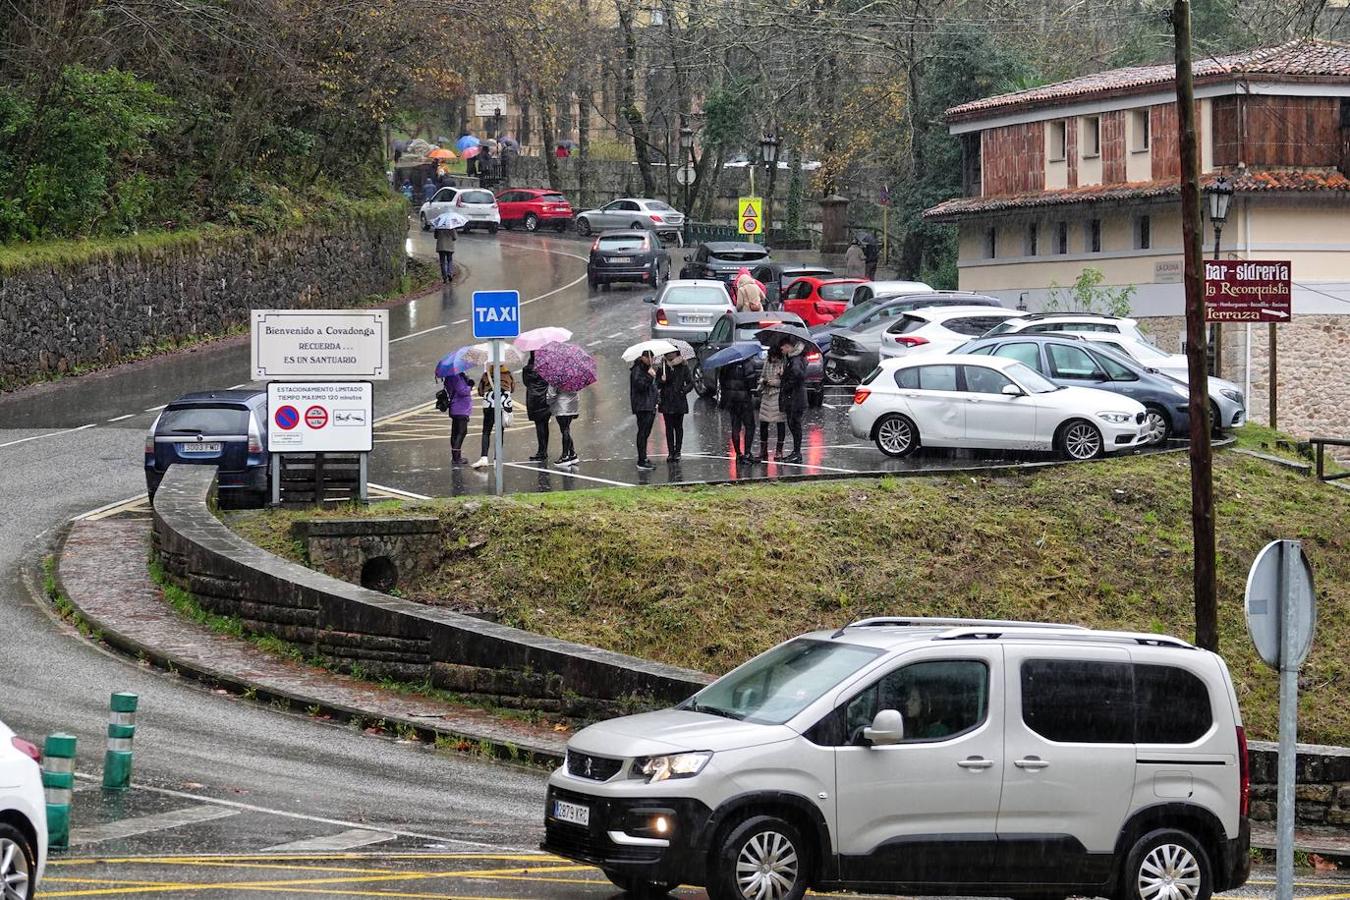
x=687 y=155
x=1220 y=198
x=768 y=151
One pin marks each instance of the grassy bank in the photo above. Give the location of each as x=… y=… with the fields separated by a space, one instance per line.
x=705 y=577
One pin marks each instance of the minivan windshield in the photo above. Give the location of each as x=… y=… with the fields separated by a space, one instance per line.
x=774 y=687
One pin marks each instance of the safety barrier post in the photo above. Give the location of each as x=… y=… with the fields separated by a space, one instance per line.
x=58 y=783
x=121 y=729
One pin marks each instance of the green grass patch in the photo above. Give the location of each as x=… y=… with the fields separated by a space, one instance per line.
x=705 y=577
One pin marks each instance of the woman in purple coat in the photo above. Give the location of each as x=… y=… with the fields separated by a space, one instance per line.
x=459 y=388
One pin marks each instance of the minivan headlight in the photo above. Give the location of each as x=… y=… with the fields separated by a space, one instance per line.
x=674 y=765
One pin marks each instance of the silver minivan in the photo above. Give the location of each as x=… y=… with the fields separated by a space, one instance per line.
x=925 y=756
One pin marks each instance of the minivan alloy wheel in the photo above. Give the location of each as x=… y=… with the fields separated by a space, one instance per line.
x=767 y=867
x=1169 y=872
x=14 y=870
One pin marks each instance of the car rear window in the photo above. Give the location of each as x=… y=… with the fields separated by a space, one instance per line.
x=836 y=291
x=477 y=197
x=659 y=205
x=972 y=325
x=701 y=296
x=623 y=242
x=204 y=420
x=552 y=198
x=739 y=255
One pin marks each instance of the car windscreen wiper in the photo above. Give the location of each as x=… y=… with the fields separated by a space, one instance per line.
x=715 y=711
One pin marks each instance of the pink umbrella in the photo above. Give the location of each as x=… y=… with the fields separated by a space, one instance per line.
x=470 y=153
x=538 y=337
x=565 y=366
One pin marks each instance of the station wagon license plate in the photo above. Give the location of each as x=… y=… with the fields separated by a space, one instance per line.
x=574 y=813
x=204 y=447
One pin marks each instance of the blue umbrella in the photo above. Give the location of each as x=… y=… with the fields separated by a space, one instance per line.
x=453 y=364
x=737 y=352
x=467 y=141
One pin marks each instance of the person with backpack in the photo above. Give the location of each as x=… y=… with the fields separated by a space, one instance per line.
x=485 y=391
x=676 y=381
x=459 y=406
x=737 y=383
x=536 y=408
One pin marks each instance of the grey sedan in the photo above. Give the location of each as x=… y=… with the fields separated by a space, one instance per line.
x=687 y=308
x=635 y=213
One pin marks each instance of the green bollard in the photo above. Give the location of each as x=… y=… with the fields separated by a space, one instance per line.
x=58 y=783
x=121 y=729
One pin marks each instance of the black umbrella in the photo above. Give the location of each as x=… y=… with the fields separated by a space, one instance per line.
x=774 y=333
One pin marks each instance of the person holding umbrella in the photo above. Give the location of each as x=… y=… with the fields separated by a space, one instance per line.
x=508 y=386
x=537 y=408
x=770 y=412
x=737 y=382
x=445 y=251
x=458 y=401
x=566 y=369
x=565 y=406
x=643 y=397
x=792 y=393
x=673 y=400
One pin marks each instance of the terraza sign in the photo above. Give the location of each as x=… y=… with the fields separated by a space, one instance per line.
x=314 y=344
x=1246 y=290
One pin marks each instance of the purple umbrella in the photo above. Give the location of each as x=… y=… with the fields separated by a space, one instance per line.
x=565 y=366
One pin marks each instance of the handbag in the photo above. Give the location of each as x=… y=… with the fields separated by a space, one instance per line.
x=442 y=401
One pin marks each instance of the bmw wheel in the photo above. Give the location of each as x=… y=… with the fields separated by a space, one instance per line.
x=583 y=226
x=896 y=435
x=1167 y=864
x=17 y=862
x=531 y=222
x=1156 y=426
x=763 y=858
x=1079 y=440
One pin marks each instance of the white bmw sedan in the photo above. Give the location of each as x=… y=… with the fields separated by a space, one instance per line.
x=984 y=402
x=23 y=817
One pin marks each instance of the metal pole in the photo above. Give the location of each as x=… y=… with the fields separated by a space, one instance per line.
x=497 y=413
x=1274 y=371
x=1290 y=556
x=1218 y=326
x=362 y=489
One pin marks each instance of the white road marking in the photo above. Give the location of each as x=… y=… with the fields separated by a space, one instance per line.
x=417 y=333
x=38 y=437
x=396 y=492
x=829 y=405
x=343 y=840
x=565 y=473
x=638 y=326
x=617 y=334
x=125 y=828
x=157 y=408
x=120 y=418
x=596 y=343
x=459 y=321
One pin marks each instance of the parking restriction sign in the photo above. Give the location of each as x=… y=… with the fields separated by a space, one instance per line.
x=316 y=417
x=750 y=215
x=287 y=417
x=337 y=417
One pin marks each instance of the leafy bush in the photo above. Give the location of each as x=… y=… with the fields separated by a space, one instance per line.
x=1086 y=294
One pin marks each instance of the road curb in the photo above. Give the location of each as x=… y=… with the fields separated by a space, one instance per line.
x=522 y=750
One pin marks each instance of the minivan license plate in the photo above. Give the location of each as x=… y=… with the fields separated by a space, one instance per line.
x=206 y=447
x=571 y=812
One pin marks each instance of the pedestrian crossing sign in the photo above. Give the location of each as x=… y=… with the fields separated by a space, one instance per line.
x=750 y=215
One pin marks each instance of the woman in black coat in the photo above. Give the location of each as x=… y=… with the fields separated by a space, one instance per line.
x=642 y=396
x=792 y=394
x=737 y=383
x=675 y=383
x=536 y=408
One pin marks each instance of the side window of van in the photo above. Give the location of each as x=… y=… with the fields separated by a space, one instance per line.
x=938 y=700
x=1172 y=705
x=1078 y=701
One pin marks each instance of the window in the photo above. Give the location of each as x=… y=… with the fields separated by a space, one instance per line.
x=209 y=420
x=444 y=195
x=617 y=242
x=1171 y=706
x=1092 y=238
x=1075 y=701
x=683 y=295
x=974 y=326
x=1090 y=136
x=1031 y=249
x=1061 y=238
x=938 y=700
x=721 y=332
x=1114 y=370
x=629 y=206
x=836 y=292
x=971 y=181
x=482 y=198
x=1139 y=125
x=927 y=378
x=980 y=380
x=1143 y=233
x=1057 y=140
x=798 y=290
x=1073 y=363
x=1026 y=353
x=991 y=243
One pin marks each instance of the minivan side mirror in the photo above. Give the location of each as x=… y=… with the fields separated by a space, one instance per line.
x=1013 y=390
x=887 y=728
x=649 y=299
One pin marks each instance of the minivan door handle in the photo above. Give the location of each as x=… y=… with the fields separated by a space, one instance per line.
x=1031 y=762
x=975 y=762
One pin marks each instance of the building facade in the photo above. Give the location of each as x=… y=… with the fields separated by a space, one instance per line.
x=1085 y=174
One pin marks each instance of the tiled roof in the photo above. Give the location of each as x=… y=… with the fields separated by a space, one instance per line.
x=1297 y=181
x=1307 y=58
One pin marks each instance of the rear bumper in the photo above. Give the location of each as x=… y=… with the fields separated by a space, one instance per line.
x=691 y=335
x=634 y=272
x=1235 y=859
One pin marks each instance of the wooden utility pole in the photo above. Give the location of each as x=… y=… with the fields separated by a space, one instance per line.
x=1192 y=233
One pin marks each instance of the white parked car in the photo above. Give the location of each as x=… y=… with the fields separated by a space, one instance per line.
x=925 y=756
x=23 y=818
x=477 y=205
x=938 y=329
x=994 y=403
x=634 y=213
x=1053 y=323
x=866 y=291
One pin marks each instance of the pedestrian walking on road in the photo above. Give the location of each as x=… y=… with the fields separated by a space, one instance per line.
x=445 y=251
x=871 y=256
x=643 y=396
x=770 y=412
x=737 y=383
x=508 y=385
x=855 y=261
x=428 y=189
x=459 y=390
x=749 y=293
x=536 y=408
x=565 y=406
x=406 y=190
x=792 y=393
x=676 y=383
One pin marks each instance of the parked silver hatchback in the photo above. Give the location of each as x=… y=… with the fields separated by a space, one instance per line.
x=925 y=756
x=686 y=308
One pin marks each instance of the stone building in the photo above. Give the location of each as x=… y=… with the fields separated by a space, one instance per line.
x=1085 y=174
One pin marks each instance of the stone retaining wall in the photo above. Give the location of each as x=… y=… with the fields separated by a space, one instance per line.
x=353 y=549
x=123 y=302
x=376 y=634
x=1322 y=797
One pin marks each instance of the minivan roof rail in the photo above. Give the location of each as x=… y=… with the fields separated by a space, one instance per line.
x=939 y=622
x=1060 y=633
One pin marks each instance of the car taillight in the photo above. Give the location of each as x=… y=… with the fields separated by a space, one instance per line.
x=595 y=246
x=910 y=340
x=254 y=445
x=1244 y=774
x=813 y=356
x=149 y=443
x=656 y=218
x=27 y=748
x=661 y=317
x=860 y=395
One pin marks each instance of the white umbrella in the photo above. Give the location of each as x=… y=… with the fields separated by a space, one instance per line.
x=655 y=348
x=449 y=220
x=480 y=356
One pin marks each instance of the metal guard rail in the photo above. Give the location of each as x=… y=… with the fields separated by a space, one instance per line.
x=1321 y=444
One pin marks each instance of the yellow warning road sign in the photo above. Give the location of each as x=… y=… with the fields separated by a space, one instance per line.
x=750 y=216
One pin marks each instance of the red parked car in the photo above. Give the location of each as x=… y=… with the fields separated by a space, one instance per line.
x=819 y=300
x=534 y=208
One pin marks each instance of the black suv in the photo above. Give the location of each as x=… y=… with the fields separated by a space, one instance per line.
x=628 y=255
x=721 y=260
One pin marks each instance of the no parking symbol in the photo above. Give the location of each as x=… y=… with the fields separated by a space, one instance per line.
x=287 y=417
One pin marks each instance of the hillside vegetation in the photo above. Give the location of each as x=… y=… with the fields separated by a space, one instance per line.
x=706 y=577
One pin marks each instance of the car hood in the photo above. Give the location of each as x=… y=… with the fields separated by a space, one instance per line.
x=673 y=730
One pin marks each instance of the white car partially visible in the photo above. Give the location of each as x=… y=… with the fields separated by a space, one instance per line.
x=23 y=818
x=443 y=201
x=479 y=207
x=985 y=402
x=939 y=329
